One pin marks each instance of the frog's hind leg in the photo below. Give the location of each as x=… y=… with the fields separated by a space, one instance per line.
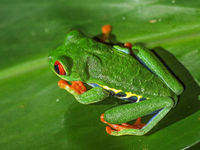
x=125 y=113
x=137 y=125
x=151 y=62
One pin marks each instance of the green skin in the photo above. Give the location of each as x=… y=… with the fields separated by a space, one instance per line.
x=89 y=61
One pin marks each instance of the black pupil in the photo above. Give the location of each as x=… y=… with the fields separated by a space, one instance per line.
x=56 y=69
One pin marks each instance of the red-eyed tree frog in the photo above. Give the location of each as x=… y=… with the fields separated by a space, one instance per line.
x=141 y=79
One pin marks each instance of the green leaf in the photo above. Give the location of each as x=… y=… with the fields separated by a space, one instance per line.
x=36 y=114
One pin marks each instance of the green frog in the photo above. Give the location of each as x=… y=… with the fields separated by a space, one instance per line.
x=131 y=73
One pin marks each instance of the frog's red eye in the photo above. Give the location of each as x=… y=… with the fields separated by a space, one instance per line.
x=59 y=68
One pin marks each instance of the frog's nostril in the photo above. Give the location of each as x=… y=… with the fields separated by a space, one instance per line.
x=49 y=58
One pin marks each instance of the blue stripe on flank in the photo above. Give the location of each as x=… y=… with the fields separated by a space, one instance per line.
x=93 y=84
x=143 y=63
x=120 y=94
x=132 y=99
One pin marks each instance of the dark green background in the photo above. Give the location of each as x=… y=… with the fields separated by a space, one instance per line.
x=36 y=114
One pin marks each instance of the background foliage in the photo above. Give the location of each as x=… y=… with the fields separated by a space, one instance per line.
x=36 y=114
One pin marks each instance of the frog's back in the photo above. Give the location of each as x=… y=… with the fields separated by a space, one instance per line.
x=120 y=71
x=113 y=69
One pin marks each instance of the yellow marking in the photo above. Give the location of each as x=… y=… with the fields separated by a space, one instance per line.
x=111 y=89
x=128 y=94
x=139 y=97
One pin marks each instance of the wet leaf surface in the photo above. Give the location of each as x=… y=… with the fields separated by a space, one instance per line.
x=36 y=114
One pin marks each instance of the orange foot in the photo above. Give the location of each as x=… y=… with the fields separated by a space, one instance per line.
x=106 y=30
x=76 y=86
x=128 y=45
x=117 y=127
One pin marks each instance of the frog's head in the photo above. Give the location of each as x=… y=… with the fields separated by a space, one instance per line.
x=65 y=60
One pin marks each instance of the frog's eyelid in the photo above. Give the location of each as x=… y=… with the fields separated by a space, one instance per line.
x=59 y=69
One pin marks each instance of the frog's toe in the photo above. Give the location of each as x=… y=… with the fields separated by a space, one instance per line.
x=138 y=123
x=62 y=83
x=109 y=130
x=78 y=87
x=106 y=29
x=125 y=131
x=128 y=45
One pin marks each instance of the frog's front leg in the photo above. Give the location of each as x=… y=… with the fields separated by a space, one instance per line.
x=125 y=113
x=79 y=91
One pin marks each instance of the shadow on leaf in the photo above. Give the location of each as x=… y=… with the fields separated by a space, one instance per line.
x=188 y=101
